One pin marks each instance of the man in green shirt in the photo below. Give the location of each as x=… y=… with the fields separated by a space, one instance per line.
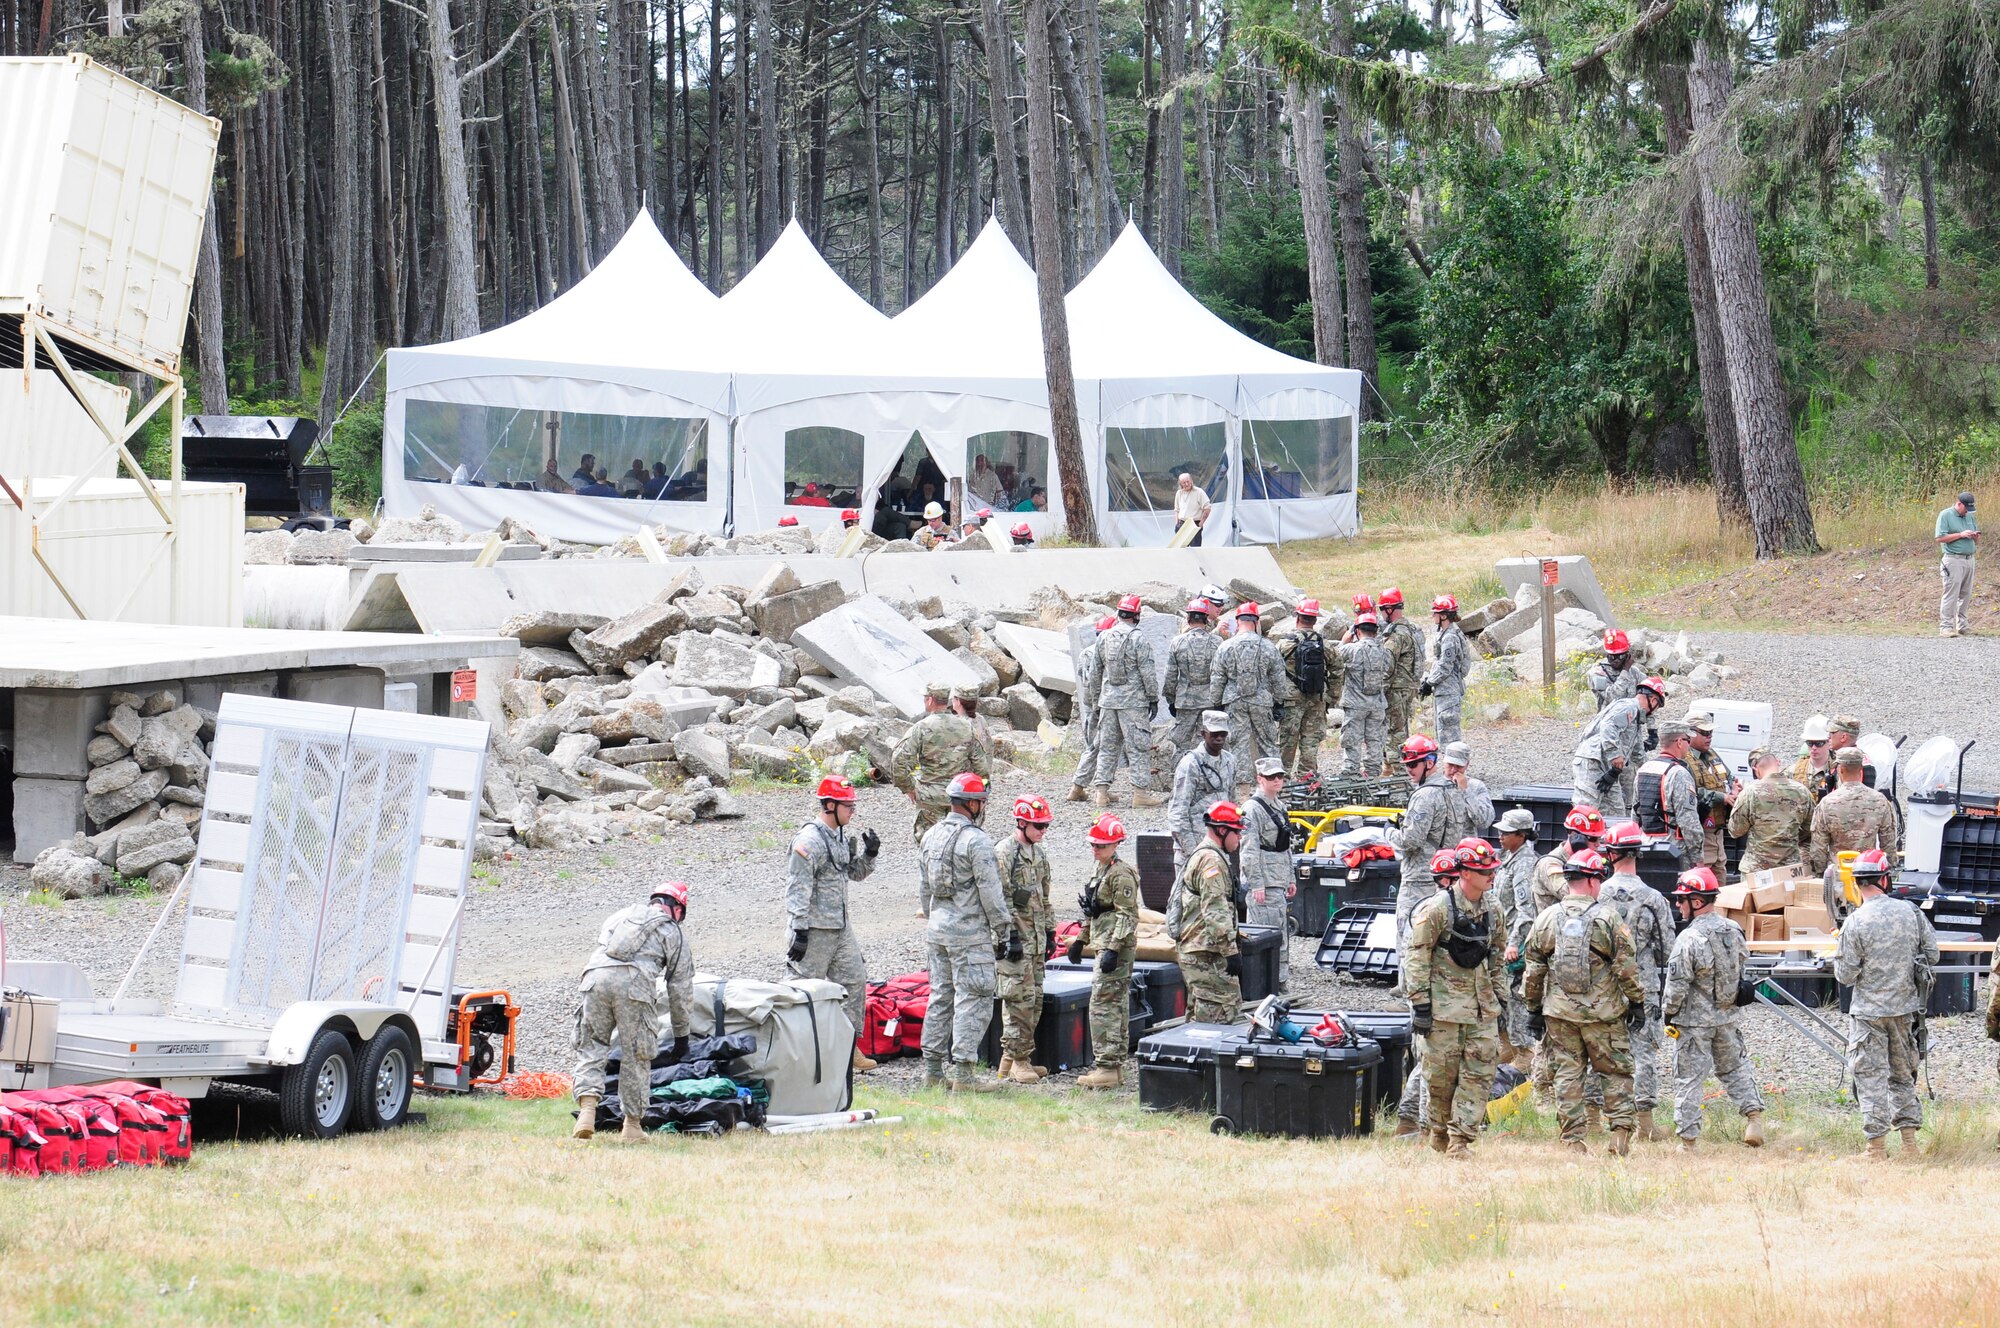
x=1958 y=538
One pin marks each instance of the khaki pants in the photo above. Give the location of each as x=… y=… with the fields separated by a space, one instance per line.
x=1956 y=573
x=618 y=1006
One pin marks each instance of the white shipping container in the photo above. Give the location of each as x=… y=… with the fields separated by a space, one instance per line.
x=127 y=564
x=107 y=188
x=43 y=431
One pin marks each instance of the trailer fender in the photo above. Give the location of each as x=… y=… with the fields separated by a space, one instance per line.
x=296 y=1028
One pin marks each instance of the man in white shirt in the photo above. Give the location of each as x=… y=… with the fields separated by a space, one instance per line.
x=1190 y=504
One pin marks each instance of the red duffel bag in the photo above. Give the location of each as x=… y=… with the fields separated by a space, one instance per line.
x=877 y=1039
x=93 y=1121
x=140 y=1128
x=20 y=1144
x=178 y=1144
x=61 y=1147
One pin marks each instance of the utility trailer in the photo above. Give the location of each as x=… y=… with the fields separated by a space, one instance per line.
x=320 y=925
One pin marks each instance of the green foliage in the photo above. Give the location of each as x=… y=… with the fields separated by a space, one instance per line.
x=1256 y=279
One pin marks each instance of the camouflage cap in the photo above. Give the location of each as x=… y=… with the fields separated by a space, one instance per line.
x=1517 y=821
x=965 y=692
x=1214 y=721
x=1847 y=724
x=1701 y=722
x=937 y=691
x=1850 y=756
x=1458 y=754
x=1269 y=765
x=1759 y=755
x=1673 y=729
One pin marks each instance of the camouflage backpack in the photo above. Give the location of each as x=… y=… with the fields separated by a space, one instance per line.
x=629 y=937
x=1570 y=964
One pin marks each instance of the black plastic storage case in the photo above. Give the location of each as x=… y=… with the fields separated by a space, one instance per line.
x=1302 y=1090
x=1177 y=1065
x=1062 y=1038
x=1257 y=949
x=1159 y=991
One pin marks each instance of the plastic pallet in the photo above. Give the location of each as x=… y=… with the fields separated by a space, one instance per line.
x=1344 y=947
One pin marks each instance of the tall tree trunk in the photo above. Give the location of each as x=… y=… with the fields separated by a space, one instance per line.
x=714 y=144
x=769 y=220
x=999 y=86
x=1149 y=87
x=868 y=94
x=214 y=360
x=390 y=243
x=343 y=268
x=1089 y=148
x=741 y=184
x=943 y=231
x=1322 y=250
x=1206 y=156
x=1927 y=190
x=1108 y=220
x=1773 y=480
x=461 y=258
x=1080 y=515
x=1894 y=186
x=1725 y=454
x=1173 y=134
x=1350 y=190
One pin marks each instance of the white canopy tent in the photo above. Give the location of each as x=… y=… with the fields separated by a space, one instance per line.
x=821 y=398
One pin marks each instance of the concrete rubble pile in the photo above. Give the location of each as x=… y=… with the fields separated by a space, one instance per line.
x=1507 y=633
x=634 y=724
x=142 y=800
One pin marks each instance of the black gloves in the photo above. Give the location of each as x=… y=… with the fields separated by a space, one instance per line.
x=1538 y=1027
x=871 y=843
x=1015 y=954
x=1420 y=1018
x=680 y=1048
x=999 y=950
x=798 y=950
x=1426 y=689
x=1233 y=966
x=1652 y=740
x=1107 y=961
x=1074 y=950
x=1048 y=942
x=1636 y=1018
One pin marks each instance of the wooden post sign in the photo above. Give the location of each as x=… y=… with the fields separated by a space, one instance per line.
x=1551 y=573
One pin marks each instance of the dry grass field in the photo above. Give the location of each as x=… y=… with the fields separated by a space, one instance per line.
x=1021 y=1210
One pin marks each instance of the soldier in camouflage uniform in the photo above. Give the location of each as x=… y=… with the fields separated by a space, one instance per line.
x=965 y=704
x=1613 y=678
x=1445 y=680
x=1127 y=695
x=1205 y=776
x=1365 y=665
x=1312 y=672
x=938 y=748
x=1514 y=889
x=1264 y=864
x=1110 y=904
x=1083 y=712
x=1452 y=978
x=822 y=861
x=1773 y=817
x=1699 y=1005
x=1201 y=918
x=1405 y=645
x=1993 y=1005
x=1024 y=882
x=967 y=929
x=1881 y=949
x=1852 y=817
x=1716 y=790
x=1582 y=982
x=639 y=950
x=1189 y=688
x=1645 y=914
x=1432 y=822
x=1667 y=801
x=1584 y=828
x=1249 y=675
x=1609 y=751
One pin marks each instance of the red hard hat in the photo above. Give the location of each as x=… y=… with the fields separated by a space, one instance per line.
x=1198 y=606
x=1445 y=604
x=1129 y=604
x=788 y=521
x=1365 y=619
x=1248 y=609
x=1656 y=685
x=985 y=513
x=1308 y=608
x=836 y=788
x=1392 y=598
x=1023 y=531
x=1107 y=622
x=1587 y=863
x=850 y=514
x=1107 y=829
x=1585 y=821
x=1477 y=855
x=1417 y=747
x=1224 y=816
x=674 y=890
x=1625 y=834
x=1616 y=642
x=967 y=787
x=1697 y=881
x=1444 y=862
x=1363 y=604
x=1873 y=862
x=1034 y=809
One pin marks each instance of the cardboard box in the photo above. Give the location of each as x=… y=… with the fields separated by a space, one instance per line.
x=1733 y=899
x=1799 y=919
x=29 y=1032
x=1770 y=897
x=1767 y=927
x=1772 y=876
x=1740 y=916
x=1808 y=892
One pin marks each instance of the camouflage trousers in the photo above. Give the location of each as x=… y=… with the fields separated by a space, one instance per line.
x=1398 y=705
x=1712 y=850
x=1587 y=774
x=1214 y=997
x=1362 y=735
x=832 y=953
x=961 y=1003
x=929 y=813
x=1253 y=735
x=1301 y=733
x=1125 y=736
x=1020 y=991
x=1459 y=1063
x=618 y=1004
x=1601 y=1046
x=1450 y=709
x=1704 y=1053
x=1185 y=735
x=1646 y=1044
x=1882 y=1057
x=1273 y=912
x=1111 y=1012
x=1086 y=760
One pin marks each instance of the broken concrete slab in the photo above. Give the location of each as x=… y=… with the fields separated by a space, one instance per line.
x=702 y=754
x=714 y=664
x=1573 y=573
x=1044 y=656
x=542 y=663
x=871 y=643
x=779 y=617
x=549 y=627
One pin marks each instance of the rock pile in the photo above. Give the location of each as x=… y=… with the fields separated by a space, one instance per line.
x=142 y=799
x=1508 y=634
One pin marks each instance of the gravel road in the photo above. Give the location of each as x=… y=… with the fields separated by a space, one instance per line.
x=533 y=919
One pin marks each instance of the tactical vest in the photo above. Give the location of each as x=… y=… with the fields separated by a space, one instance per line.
x=1309 y=664
x=1118 y=669
x=1569 y=965
x=1466 y=942
x=1650 y=798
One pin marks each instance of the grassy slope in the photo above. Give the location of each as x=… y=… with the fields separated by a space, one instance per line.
x=1029 y=1209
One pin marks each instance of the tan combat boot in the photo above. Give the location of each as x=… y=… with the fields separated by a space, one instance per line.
x=1006 y=1064
x=1101 y=1076
x=1688 y=1145
x=862 y=1064
x=968 y=1080
x=1440 y=1140
x=1406 y=1128
x=1576 y=1146
x=631 y=1132
x=1459 y=1151
x=1041 y=1071
x=1020 y=1072
x=1077 y=793
x=1147 y=798
x=933 y=1075
x=1911 y=1148
x=1100 y=796
x=1621 y=1143
x=1753 y=1130
x=1876 y=1151
x=1648 y=1130
x=586 y=1118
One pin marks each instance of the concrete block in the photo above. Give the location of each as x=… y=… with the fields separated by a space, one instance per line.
x=46 y=812
x=1044 y=656
x=348 y=687
x=869 y=642
x=1159 y=629
x=1573 y=573
x=779 y=617
x=206 y=693
x=53 y=729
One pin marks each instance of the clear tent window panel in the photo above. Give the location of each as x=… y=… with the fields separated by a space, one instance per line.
x=1004 y=470
x=1144 y=466
x=654 y=457
x=1298 y=458
x=823 y=466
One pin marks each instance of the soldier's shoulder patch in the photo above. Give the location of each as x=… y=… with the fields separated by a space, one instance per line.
x=802 y=850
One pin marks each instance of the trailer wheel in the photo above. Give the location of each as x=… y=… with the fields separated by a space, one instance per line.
x=316 y=1096
x=387 y=1065
x=1222 y=1125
